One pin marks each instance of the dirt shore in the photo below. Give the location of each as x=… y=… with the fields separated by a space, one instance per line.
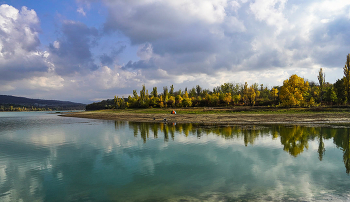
x=221 y=119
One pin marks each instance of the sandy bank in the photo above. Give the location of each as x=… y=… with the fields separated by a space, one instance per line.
x=221 y=119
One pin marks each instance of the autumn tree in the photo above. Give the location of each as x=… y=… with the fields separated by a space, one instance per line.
x=178 y=100
x=116 y=102
x=274 y=93
x=227 y=98
x=293 y=91
x=252 y=94
x=245 y=93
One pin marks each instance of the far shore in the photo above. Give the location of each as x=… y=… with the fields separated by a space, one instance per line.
x=223 y=118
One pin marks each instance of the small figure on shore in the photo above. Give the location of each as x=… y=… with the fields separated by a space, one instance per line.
x=173 y=112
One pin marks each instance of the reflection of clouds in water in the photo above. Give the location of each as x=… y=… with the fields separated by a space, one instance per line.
x=2 y=173
x=147 y=166
x=45 y=139
x=210 y=167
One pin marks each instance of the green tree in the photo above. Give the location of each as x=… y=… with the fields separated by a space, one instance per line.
x=198 y=90
x=227 y=88
x=347 y=77
x=339 y=88
x=321 y=79
x=165 y=92
x=331 y=96
x=154 y=92
x=193 y=92
x=171 y=92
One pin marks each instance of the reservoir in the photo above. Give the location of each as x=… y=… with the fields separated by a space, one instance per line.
x=46 y=157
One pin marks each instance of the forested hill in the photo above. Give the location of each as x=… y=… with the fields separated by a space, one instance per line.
x=7 y=100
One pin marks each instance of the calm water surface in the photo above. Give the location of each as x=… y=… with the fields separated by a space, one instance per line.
x=45 y=157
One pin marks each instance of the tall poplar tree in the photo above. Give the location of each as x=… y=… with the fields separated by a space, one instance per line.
x=347 y=77
x=321 y=79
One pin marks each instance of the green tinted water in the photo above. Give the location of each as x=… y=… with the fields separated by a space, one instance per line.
x=44 y=157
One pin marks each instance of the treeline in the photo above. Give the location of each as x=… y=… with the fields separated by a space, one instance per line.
x=295 y=92
x=20 y=108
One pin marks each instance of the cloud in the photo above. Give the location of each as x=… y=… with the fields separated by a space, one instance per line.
x=184 y=42
x=72 y=52
x=19 y=44
x=255 y=35
x=81 y=11
x=109 y=59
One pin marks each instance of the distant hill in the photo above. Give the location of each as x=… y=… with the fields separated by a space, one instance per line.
x=48 y=104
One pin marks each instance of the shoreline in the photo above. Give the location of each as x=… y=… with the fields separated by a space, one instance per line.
x=220 y=119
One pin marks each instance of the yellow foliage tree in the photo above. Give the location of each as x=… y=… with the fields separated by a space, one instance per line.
x=274 y=93
x=293 y=90
x=227 y=98
x=252 y=95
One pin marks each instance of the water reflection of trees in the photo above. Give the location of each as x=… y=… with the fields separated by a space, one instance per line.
x=293 y=138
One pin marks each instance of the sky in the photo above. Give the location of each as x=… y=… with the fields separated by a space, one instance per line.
x=88 y=50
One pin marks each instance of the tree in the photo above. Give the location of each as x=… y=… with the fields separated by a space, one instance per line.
x=227 y=98
x=340 y=90
x=321 y=79
x=143 y=101
x=171 y=92
x=178 y=100
x=186 y=94
x=252 y=94
x=227 y=88
x=154 y=92
x=293 y=91
x=274 y=93
x=116 y=102
x=198 y=90
x=165 y=94
x=193 y=92
x=347 y=77
x=245 y=93
x=331 y=96
x=187 y=102
x=135 y=94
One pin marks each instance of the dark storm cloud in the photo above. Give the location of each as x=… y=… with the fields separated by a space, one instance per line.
x=72 y=52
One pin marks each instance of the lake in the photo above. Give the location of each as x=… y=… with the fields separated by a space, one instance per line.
x=45 y=157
